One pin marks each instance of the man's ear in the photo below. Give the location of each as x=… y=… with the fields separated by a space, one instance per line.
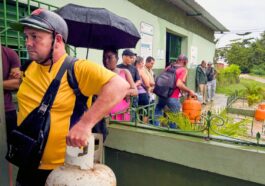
x=58 y=40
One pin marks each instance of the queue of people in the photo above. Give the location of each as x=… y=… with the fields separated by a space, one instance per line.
x=46 y=34
x=45 y=37
x=206 y=81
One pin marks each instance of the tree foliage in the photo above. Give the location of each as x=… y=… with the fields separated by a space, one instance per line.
x=249 y=56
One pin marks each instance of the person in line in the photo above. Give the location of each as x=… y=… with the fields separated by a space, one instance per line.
x=173 y=102
x=11 y=80
x=143 y=87
x=45 y=37
x=201 y=80
x=148 y=69
x=110 y=59
x=211 y=81
x=145 y=84
x=128 y=58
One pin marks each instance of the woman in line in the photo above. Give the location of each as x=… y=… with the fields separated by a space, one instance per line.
x=110 y=59
x=144 y=86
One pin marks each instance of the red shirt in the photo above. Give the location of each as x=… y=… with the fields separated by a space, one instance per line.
x=181 y=73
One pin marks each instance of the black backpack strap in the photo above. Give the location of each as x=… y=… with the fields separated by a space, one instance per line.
x=81 y=100
x=72 y=79
x=81 y=103
x=25 y=66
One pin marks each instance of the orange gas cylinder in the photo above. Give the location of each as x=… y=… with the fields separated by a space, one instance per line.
x=192 y=108
x=260 y=112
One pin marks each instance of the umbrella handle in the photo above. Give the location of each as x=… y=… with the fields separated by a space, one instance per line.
x=87 y=53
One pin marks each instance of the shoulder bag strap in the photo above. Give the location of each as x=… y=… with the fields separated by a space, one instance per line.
x=52 y=90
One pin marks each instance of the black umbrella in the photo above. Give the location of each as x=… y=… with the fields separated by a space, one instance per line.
x=98 y=28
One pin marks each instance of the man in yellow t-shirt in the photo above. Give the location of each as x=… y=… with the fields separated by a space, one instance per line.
x=46 y=33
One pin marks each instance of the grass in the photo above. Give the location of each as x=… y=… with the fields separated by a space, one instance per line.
x=229 y=89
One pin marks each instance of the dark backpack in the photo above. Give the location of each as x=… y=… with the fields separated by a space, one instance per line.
x=210 y=74
x=165 y=83
x=80 y=102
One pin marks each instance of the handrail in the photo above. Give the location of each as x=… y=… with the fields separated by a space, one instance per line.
x=202 y=129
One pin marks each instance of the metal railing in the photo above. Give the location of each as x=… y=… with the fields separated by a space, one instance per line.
x=209 y=125
x=231 y=99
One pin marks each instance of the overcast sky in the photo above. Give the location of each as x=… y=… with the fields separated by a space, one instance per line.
x=238 y=16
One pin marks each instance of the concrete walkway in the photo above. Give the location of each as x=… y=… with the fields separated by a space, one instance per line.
x=220 y=100
x=219 y=103
x=247 y=76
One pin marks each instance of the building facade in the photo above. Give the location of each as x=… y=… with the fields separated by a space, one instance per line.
x=167 y=28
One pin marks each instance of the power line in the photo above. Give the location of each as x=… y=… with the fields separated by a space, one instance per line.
x=238 y=31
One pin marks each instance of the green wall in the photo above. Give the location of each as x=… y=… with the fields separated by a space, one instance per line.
x=175 y=15
x=164 y=18
x=225 y=159
x=133 y=169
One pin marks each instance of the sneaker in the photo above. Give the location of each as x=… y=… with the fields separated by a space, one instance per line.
x=172 y=125
x=156 y=123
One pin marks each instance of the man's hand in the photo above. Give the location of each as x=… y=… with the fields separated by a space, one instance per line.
x=191 y=93
x=111 y=94
x=79 y=134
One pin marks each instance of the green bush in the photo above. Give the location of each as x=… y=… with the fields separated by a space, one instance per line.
x=253 y=92
x=231 y=127
x=228 y=75
x=240 y=87
x=258 y=70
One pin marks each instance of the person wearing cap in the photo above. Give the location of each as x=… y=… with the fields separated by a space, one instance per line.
x=173 y=102
x=45 y=37
x=201 y=80
x=211 y=81
x=128 y=58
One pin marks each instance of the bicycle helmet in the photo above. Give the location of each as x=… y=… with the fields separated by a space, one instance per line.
x=43 y=20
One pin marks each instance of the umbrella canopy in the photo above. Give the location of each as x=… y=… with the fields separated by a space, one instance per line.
x=98 y=28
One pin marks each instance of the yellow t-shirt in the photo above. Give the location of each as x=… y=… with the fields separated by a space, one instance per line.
x=90 y=77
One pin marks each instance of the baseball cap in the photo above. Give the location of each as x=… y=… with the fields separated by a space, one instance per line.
x=43 y=20
x=210 y=63
x=128 y=52
x=182 y=57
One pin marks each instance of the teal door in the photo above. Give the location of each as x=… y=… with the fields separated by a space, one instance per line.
x=173 y=47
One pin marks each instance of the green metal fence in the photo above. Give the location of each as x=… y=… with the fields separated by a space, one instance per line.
x=210 y=125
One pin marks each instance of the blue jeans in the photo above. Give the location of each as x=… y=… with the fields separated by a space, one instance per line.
x=134 y=105
x=172 y=103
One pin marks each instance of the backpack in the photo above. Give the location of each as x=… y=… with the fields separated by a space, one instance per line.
x=165 y=83
x=210 y=74
x=80 y=102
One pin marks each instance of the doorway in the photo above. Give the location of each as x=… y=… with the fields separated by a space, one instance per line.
x=173 y=47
